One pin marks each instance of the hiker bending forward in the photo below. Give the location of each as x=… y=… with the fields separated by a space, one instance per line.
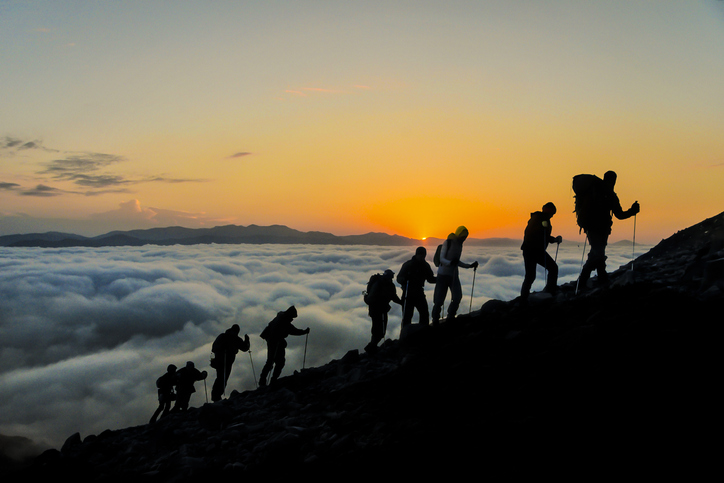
x=166 y=395
x=185 y=379
x=379 y=295
x=447 y=275
x=412 y=277
x=275 y=334
x=224 y=352
x=536 y=238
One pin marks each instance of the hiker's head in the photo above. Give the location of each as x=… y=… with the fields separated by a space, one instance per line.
x=291 y=312
x=549 y=208
x=609 y=179
x=421 y=253
x=461 y=233
x=171 y=368
x=235 y=329
x=189 y=365
x=388 y=273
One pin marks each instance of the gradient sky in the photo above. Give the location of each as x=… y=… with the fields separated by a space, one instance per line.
x=408 y=117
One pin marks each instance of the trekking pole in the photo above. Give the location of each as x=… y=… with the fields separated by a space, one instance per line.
x=581 y=271
x=557 y=246
x=304 y=361
x=633 y=252
x=223 y=393
x=206 y=391
x=545 y=258
x=404 y=298
x=253 y=371
x=470 y=309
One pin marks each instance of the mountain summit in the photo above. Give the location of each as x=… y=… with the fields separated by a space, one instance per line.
x=606 y=381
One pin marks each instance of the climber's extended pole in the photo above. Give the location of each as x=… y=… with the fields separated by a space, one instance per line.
x=304 y=361
x=581 y=271
x=405 y=295
x=206 y=391
x=473 y=290
x=223 y=393
x=253 y=371
x=633 y=253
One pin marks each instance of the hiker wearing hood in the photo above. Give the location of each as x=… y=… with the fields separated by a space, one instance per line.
x=599 y=220
x=536 y=238
x=185 y=379
x=275 y=334
x=447 y=275
x=412 y=277
x=381 y=291
x=223 y=354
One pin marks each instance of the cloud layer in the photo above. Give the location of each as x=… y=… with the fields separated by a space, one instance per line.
x=86 y=332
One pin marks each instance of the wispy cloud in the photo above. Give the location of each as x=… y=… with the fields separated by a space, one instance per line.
x=80 y=164
x=240 y=154
x=90 y=170
x=16 y=145
x=42 y=191
x=8 y=186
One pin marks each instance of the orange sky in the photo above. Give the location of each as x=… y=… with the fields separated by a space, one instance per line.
x=406 y=118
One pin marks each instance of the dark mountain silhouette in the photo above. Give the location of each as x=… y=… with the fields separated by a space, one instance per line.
x=229 y=234
x=609 y=382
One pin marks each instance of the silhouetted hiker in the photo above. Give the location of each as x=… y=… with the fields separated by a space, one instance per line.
x=447 y=275
x=380 y=292
x=166 y=395
x=185 y=379
x=224 y=350
x=595 y=203
x=412 y=277
x=536 y=238
x=275 y=334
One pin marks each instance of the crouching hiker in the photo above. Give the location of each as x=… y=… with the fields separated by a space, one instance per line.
x=166 y=395
x=185 y=379
x=275 y=335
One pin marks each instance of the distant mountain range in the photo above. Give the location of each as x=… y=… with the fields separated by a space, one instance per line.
x=228 y=234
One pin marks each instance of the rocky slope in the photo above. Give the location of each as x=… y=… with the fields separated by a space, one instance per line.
x=613 y=381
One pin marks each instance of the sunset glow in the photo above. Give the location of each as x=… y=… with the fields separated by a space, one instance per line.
x=369 y=116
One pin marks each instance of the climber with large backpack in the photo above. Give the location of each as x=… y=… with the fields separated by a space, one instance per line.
x=380 y=292
x=595 y=205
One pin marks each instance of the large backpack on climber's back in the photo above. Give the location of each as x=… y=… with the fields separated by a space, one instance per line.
x=369 y=294
x=588 y=190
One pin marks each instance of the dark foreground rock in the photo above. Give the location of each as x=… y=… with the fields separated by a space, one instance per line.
x=613 y=381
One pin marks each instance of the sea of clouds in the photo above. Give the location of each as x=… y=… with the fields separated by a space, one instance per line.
x=84 y=333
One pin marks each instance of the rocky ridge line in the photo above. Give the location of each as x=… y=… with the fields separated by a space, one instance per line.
x=614 y=380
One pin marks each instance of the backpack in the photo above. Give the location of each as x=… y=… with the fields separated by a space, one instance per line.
x=587 y=189
x=369 y=294
x=270 y=331
x=436 y=257
x=438 y=251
